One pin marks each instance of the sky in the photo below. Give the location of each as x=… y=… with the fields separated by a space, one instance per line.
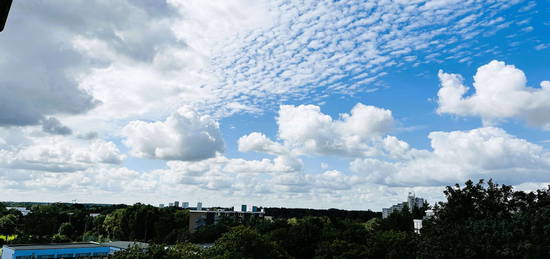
x=317 y=104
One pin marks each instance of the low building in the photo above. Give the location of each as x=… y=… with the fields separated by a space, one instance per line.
x=417 y=225
x=72 y=250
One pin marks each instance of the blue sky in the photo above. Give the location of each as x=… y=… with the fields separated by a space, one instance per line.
x=345 y=104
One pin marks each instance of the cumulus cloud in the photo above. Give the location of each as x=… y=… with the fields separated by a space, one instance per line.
x=108 y=63
x=258 y=142
x=185 y=135
x=501 y=92
x=460 y=155
x=305 y=130
x=305 y=127
x=59 y=154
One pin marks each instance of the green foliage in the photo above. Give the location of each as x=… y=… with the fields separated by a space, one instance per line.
x=488 y=221
x=179 y=251
x=482 y=220
x=146 y=223
x=243 y=242
x=400 y=221
x=8 y=224
x=3 y=209
x=209 y=233
x=59 y=238
x=392 y=244
x=287 y=213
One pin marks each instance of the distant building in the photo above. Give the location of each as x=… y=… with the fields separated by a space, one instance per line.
x=199 y=205
x=185 y=205
x=429 y=214
x=161 y=205
x=171 y=204
x=177 y=204
x=72 y=250
x=397 y=207
x=23 y=210
x=412 y=202
x=417 y=225
x=418 y=222
x=243 y=208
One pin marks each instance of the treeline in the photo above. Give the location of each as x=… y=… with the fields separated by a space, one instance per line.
x=287 y=213
x=477 y=220
x=74 y=222
x=63 y=222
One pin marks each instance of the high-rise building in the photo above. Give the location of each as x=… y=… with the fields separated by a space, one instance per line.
x=199 y=205
x=185 y=205
x=243 y=208
x=176 y=204
x=412 y=202
x=161 y=205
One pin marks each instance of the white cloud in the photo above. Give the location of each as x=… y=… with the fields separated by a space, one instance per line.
x=260 y=143
x=501 y=92
x=305 y=128
x=185 y=135
x=111 y=63
x=58 y=154
x=247 y=56
x=460 y=155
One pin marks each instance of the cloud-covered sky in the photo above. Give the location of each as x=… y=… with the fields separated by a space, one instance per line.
x=343 y=104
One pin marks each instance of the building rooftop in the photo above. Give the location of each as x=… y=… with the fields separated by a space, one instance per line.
x=53 y=246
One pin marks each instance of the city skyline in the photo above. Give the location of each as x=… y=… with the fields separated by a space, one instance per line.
x=312 y=104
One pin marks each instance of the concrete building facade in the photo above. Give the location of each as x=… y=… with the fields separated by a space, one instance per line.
x=412 y=202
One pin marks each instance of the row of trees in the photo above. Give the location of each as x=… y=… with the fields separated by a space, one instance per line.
x=477 y=220
x=76 y=222
x=73 y=222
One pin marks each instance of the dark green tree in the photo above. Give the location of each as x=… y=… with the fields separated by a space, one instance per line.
x=243 y=242
x=8 y=224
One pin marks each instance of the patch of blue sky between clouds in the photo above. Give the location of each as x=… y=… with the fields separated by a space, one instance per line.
x=318 y=50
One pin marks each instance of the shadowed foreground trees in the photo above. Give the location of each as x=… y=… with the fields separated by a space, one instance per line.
x=488 y=221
